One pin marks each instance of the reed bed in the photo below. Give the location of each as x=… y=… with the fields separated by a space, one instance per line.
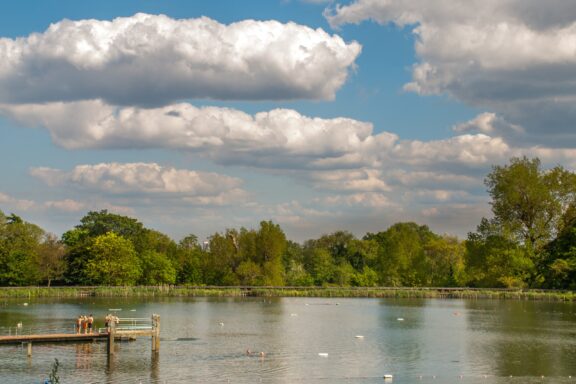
x=212 y=291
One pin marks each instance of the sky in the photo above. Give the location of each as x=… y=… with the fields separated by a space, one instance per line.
x=198 y=116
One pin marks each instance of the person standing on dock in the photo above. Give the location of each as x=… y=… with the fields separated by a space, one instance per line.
x=90 y=321
x=84 y=323
x=78 y=324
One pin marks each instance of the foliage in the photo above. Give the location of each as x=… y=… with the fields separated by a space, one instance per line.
x=51 y=261
x=54 y=378
x=529 y=242
x=113 y=261
x=19 y=247
x=156 y=269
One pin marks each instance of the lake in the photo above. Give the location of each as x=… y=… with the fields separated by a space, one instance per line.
x=305 y=340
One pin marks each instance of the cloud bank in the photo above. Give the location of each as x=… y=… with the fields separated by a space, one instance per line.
x=154 y=60
x=141 y=179
x=514 y=57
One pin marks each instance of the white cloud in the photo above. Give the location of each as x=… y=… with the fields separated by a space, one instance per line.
x=465 y=150
x=365 y=180
x=488 y=123
x=368 y=199
x=66 y=205
x=143 y=179
x=154 y=60
x=278 y=138
x=513 y=57
x=12 y=202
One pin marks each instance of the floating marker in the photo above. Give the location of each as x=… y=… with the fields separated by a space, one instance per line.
x=400 y=319
x=293 y=314
x=114 y=309
x=323 y=354
x=388 y=377
x=359 y=336
x=132 y=310
x=221 y=324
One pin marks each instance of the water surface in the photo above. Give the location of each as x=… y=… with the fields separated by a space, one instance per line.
x=304 y=340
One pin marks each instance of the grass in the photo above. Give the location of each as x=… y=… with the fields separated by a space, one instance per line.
x=211 y=291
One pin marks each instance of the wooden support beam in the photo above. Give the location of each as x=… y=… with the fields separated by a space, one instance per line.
x=111 y=336
x=155 y=333
x=29 y=349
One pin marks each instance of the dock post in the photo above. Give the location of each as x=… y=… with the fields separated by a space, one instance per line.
x=29 y=349
x=111 y=335
x=155 y=333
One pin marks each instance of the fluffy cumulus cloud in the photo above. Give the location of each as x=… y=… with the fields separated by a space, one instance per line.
x=154 y=59
x=143 y=179
x=277 y=138
x=513 y=57
x=11 y=201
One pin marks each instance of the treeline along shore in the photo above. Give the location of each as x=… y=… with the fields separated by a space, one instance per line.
x=528 y=243
x=323 y=292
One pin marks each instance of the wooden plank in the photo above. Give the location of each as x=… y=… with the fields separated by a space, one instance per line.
x=55 y=337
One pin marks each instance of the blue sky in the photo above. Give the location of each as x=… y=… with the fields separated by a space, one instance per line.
x=194 y=117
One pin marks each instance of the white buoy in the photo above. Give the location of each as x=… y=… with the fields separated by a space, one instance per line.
x=359 y=336
x=293 y=314
x=388 y=377
x=25 y=304
x=323 y=354
x=400 y=319
x=19 y=325
x=221 y=324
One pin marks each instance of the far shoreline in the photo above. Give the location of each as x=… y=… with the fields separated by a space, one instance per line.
x=257 y=291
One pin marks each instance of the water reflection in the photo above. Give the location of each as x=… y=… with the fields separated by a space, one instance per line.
x=306 y=340
x=524 y=338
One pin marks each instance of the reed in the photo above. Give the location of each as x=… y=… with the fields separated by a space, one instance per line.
x=325 y=292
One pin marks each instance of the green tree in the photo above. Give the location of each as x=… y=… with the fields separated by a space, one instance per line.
x=270 y=249
x=189 y=261
x=222 y=259
x=559 y=261
x=51 y=259
x=444 y=262
x=401 y=257
x=19 y=246
x=156 y=269
x=320 y=265
x=494 y=260
x=532 y=204
x=113 y=261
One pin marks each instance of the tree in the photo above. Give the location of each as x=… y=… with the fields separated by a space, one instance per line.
x=533 y=205
x=494 y=260
x=559 y=261
x=189 y=261
x=222 y=259
x=270 y=248
x=401 y=254
x=444 y=262
x=103 y=222
x=156 y=269
x=320 y=265
x=51 y=259
x=19 y=244
x=113 y=261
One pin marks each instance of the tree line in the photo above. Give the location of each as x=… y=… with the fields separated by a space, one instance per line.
x=529 y=242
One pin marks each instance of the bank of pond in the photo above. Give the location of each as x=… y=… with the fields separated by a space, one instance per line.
x=240 y=291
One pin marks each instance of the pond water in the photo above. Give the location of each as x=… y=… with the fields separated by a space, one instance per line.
x=305 y=340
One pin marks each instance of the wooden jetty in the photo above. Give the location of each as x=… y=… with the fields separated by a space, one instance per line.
x=126 y=328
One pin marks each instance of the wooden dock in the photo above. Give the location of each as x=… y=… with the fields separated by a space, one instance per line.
x=52 y=338
x=126 y=329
